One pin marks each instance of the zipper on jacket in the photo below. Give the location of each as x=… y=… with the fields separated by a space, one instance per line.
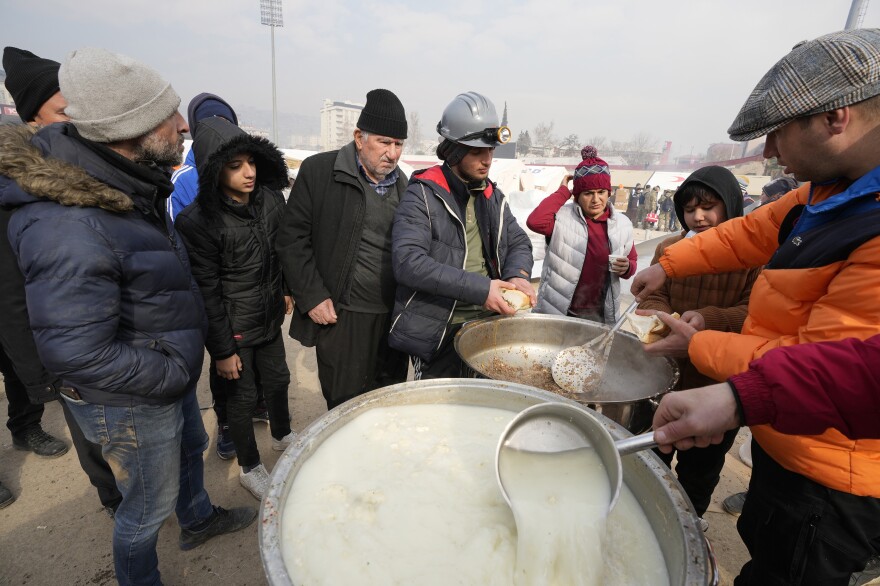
x=463 y=264
x=405 y=305
x=498 y=244
x=812 y=528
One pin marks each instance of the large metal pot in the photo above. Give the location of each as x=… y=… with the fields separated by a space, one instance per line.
x=522 y=348
x=662 y=498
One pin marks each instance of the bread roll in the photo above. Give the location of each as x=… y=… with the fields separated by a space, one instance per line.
x=649 y=328
x=516 y=299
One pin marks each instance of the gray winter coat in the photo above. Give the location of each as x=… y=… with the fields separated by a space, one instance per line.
x=428 y=254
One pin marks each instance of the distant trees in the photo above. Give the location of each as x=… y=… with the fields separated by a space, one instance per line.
x=414 y=140
x=600 y=142
x=641 y=149
x=523 y=143
x=544 y=136
x=570 y=146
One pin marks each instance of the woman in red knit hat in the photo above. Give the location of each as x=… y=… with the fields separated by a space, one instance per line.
x=590 y=245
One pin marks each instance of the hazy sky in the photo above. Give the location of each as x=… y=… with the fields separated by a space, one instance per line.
x=676 y=69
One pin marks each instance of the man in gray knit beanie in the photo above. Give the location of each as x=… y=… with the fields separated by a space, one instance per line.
x=113 y=305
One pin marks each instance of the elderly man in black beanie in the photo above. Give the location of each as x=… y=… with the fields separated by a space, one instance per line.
x=33 y=83
x=335 y=249
x=112 y=303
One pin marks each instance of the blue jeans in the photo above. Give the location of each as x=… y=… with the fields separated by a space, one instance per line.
x=155 y=452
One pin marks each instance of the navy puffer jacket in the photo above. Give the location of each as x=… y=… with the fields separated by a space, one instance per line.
x=428 y=256
x=113 y=306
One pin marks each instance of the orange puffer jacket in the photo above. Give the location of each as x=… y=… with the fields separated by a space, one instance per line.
x=822 y=283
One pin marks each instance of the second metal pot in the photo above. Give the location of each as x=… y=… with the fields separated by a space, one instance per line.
x=522 y=348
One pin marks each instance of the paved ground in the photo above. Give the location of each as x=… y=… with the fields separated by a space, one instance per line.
x=57 y=532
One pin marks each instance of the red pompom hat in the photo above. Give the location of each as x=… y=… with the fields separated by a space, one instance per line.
x=592 y=172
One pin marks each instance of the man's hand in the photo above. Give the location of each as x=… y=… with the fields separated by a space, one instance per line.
x=288 y=305
x=677 y=342
x=229 y=368
x=694 y=319
x=695 y=418
x=565 y=180
x=620 y=266
x=495 y=302
x=648 y=281
x=526 y=287
x=323 y=313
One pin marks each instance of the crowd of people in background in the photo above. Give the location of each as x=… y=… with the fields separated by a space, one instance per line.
x=119 y=277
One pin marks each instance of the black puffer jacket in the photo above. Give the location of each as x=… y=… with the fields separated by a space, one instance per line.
x=232 y=247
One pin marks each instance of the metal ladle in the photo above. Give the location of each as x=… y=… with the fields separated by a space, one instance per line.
x=550 y=428
x=578 y=369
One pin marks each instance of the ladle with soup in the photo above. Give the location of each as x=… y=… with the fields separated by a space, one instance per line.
x=559 y=470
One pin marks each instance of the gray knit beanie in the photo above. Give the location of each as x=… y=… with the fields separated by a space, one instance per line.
x=112 y=97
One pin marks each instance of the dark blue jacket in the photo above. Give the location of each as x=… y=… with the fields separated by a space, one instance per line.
x=113 y=306
x=428 y=256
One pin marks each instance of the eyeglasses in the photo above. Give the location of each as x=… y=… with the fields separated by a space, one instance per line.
x=500 y=135
x=591 y=169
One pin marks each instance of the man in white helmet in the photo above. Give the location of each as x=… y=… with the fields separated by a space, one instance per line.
x=455 y=243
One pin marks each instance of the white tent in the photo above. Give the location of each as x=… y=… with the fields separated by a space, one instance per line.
x=546 y=178
x=521 y=205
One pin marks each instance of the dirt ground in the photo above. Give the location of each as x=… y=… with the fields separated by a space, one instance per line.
x=57 y=532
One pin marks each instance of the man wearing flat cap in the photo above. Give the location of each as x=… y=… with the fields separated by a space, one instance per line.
x=335 y=249
x=812 y=514
x=115 y=312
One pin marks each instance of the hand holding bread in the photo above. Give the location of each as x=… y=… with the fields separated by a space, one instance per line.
x=516 y=299
x=675 y=341
x=649 y=328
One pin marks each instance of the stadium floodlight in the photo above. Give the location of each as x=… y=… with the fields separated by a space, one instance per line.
x=271 y=16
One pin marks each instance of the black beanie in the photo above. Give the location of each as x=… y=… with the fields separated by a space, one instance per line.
x=30 y=79
x=383 y=115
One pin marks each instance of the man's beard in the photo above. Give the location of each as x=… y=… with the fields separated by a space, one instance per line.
x=153 y=148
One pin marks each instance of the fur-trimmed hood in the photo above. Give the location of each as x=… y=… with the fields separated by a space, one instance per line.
x=27 y=174
x=218 y=141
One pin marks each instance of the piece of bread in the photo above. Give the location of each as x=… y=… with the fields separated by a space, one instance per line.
x=649 y=328
x=516 y=299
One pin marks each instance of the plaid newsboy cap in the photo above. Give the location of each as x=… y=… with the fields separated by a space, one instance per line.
x=833 y=71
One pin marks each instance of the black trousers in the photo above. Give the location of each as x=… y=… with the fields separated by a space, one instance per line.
x=799 y=532
x=699 y=470
x=219 y=392
x=22 y=413
x=445 y=363
x=270 y=361
x=354 y=356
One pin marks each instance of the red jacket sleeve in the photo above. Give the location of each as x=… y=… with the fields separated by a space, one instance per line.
x=806 y=388
x=633 y=257
x=543 y=218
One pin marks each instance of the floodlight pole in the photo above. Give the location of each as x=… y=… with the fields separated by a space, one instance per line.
x=270 y=15
x=274 y=103
x=856 y=14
